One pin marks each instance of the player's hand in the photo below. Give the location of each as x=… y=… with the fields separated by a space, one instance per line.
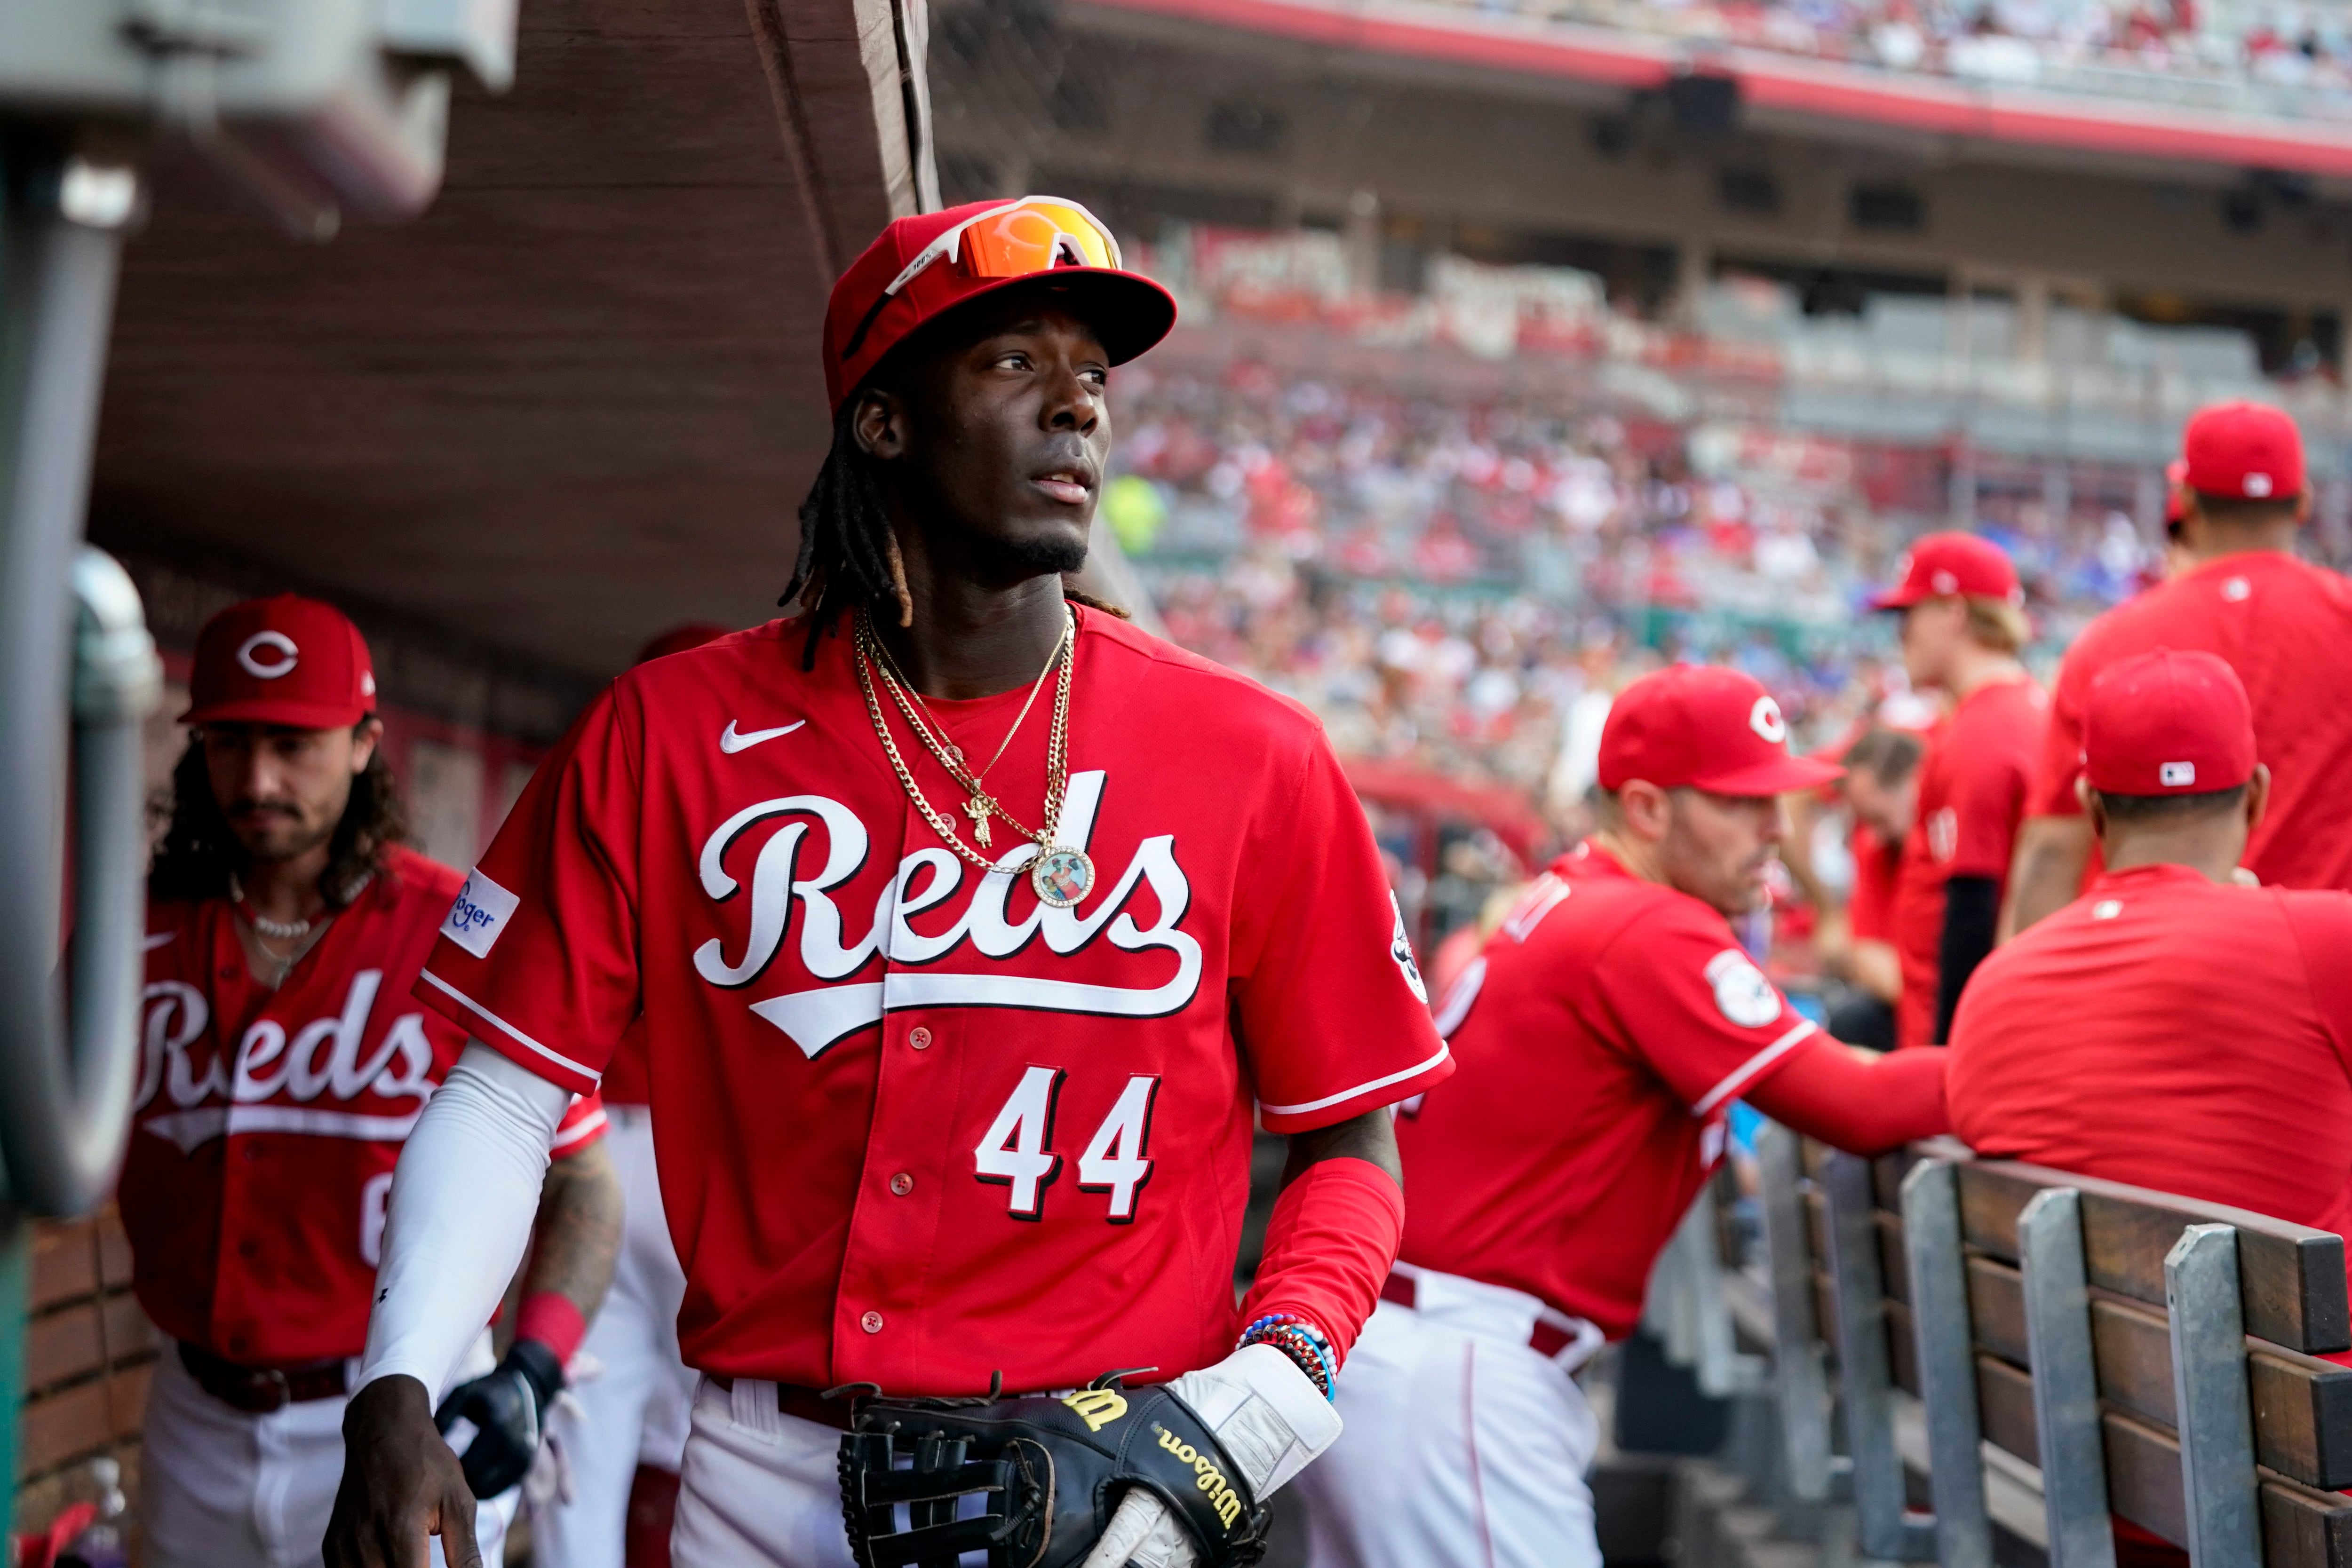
x=497 y=1420
x=401 y=1484
x=1142 y=1534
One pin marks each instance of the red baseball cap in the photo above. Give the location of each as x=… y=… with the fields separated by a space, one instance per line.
x=678 y=639
x=1941 y=565
x=924 y=266
x=1706 y=726
x=285 y=660
x=2243 y=451
x=2166 y=723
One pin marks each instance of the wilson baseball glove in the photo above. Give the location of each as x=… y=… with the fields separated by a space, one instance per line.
x=1035 y=1481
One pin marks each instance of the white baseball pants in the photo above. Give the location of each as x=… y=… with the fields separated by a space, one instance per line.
x=1464 y=1448
x=761 y=1489
x=633 y=1410
x=221 y=1487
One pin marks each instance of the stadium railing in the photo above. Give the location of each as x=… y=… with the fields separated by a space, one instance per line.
x=2028 y=1350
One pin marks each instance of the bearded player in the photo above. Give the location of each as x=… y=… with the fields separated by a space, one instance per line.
x=285 y=1063
x=1601 y=1036
x=966 y=922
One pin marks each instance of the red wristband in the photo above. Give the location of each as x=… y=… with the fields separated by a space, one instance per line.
x=1328 y=1249
x=550 y=1318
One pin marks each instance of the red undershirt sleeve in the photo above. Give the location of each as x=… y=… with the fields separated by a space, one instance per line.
x=1826 y=1091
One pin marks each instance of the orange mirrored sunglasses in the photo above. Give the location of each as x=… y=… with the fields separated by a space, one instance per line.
x=1035 y=234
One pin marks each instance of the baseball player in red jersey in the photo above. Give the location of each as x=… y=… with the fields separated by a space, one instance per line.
x=1601 y=1037
x=1963 y=626
x=284 y=1062
x=966 y=922
x=2284 y=626
x=625 y=1431
x=2226 y=1008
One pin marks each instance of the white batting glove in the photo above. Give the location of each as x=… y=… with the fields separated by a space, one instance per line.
x=1267 y=1415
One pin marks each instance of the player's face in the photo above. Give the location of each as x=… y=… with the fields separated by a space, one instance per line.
x=284 y=789
x=1885 y=809
x=1004 y=439
x=1716 y=847
x=1932 y=631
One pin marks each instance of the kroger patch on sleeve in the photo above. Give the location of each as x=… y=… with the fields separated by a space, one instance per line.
x=480 y=912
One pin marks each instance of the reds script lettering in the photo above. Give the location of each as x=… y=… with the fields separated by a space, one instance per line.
x=270 y=1065
x=782 y=881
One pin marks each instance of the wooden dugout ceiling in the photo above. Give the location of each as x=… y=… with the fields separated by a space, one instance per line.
x=576 y=401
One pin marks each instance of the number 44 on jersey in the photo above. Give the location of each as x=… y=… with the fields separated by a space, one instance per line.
x=1017 y=1150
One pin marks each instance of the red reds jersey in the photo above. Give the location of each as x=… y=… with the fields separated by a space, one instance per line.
x=1870 y=905
x=266 y=1124
x=914 y=1125
x=1972 y=786
x=2286 y=628
x=1600 y=1037
x=2169 y=1032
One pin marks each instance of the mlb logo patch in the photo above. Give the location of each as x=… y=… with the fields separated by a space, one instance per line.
x=481 y=913
x=2176 y=775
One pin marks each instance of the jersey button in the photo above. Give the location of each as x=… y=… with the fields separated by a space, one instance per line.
x=871 y=1323
x=902 y=1183
x=919 y=1038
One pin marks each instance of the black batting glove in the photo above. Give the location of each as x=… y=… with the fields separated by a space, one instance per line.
x=506 y=1407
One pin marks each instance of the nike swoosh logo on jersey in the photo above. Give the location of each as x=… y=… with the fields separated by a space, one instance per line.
x=730 y=741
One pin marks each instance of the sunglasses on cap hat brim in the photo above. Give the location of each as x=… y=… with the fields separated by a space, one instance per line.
x=1018 y=239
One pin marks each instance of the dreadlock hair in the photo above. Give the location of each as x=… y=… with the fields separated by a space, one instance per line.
x=849 y=554
x=199 y=851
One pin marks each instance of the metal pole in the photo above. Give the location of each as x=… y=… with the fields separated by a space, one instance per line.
x=2208 y=1396
x=1865 y=1380
x=65 y=1072
x=2065 y=1380
x=1799 y=1377
x=1947 y=1364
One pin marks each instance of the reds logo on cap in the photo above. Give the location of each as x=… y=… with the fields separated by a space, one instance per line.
x=1706 y=726
x=1765 y=719
x=284 y=661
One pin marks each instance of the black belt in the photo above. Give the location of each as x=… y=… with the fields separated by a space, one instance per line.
x=258 y=1390
x=808 y=1404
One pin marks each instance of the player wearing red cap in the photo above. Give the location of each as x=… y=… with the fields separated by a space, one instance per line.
x=1602 y=1037
x=2227 y=1009
x=966 y=924
x=285 y=1063
x=2284 y=626
x=1963 y=626
x=624 y=1431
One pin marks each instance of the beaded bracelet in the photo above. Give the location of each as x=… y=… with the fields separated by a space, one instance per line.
x=1299 y=1340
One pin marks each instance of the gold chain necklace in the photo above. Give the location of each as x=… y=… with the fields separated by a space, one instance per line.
x=1061 y=875
x=934 y=733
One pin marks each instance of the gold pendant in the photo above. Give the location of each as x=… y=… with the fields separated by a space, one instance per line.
x=977 y=809
x=1062 y=877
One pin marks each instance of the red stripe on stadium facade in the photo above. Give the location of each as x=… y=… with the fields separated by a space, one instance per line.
x=1934 y=104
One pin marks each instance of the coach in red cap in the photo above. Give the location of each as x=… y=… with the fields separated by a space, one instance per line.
x=969 y=927
x=1963 y=626
x=2284 y=625
x=285 y=1062
x=1602 y=1037
x=2172 y=1028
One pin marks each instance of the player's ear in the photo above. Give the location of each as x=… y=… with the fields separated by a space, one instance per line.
x=2258 y=793
x=879 y=425
x=2093 y=807
x=366 y=736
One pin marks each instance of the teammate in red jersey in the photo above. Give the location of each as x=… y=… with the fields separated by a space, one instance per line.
x=2204 y=995
x=1882 y=792
x=1963 y=626
x=2284 y=626
x=285 y=1063
x=1602 y=1037
x=966 y=924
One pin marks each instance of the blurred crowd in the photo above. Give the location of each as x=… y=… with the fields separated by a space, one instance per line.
x=2287 y=45
x=1446 y=579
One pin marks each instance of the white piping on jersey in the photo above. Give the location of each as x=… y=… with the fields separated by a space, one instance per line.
x=1751 y=1067
x=511 y=1033
x=1454 y=1006
x=1416 y=1070
x=567 y=1136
